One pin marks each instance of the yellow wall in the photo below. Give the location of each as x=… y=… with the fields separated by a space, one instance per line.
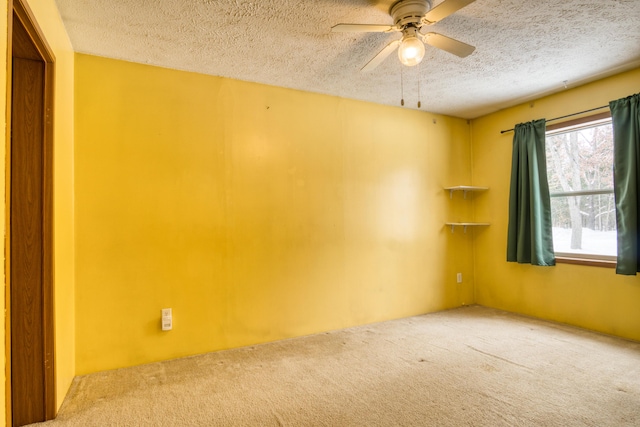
x=590 y=297
x=256 y=213
x=47 y=17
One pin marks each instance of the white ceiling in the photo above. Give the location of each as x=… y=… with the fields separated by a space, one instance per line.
x=524 y=48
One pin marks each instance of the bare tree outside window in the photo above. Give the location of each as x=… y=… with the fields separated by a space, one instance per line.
x=580 y=171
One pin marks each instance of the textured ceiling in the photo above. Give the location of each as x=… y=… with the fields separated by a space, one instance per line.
x=524 y=48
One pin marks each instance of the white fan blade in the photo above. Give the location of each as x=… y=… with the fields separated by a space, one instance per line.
x=363 y=28
x=444 y=9
x=448 y=44
x=377 y=60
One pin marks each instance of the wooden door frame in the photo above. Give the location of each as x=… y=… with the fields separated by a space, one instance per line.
x=21 y=10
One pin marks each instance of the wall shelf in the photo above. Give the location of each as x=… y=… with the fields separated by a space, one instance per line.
x=465 y=189
x=464 y=225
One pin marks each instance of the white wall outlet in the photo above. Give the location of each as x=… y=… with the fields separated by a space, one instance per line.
x=459 y=277
x=167 y=319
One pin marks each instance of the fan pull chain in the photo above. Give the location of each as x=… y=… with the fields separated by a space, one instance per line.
x=402 y=85
x=419 y=91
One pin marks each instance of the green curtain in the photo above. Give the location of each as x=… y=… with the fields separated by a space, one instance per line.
x=625 y=114
x=530 y=237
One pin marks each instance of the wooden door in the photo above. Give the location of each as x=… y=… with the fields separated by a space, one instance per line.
x=30 y=235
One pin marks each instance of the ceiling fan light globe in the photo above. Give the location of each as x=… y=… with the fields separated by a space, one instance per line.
x=411 y=51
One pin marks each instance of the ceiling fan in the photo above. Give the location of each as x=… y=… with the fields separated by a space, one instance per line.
x=410 y=17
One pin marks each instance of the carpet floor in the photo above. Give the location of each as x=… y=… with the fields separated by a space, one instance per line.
x=471 y=366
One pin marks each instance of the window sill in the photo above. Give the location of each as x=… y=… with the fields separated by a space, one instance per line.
x=585 y=261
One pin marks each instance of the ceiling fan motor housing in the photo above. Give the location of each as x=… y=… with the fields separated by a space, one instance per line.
x=406 y=12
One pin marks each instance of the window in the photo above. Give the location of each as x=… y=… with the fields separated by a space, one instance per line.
x=580 y=174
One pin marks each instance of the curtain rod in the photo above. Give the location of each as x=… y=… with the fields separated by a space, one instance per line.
x=564 y=117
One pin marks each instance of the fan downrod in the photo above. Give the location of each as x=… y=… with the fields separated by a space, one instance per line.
x=409 y=12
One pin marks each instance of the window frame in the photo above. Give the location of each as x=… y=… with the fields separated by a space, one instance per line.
x=606 y=261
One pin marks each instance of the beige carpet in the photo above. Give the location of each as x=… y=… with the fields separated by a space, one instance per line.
x=466 y=367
